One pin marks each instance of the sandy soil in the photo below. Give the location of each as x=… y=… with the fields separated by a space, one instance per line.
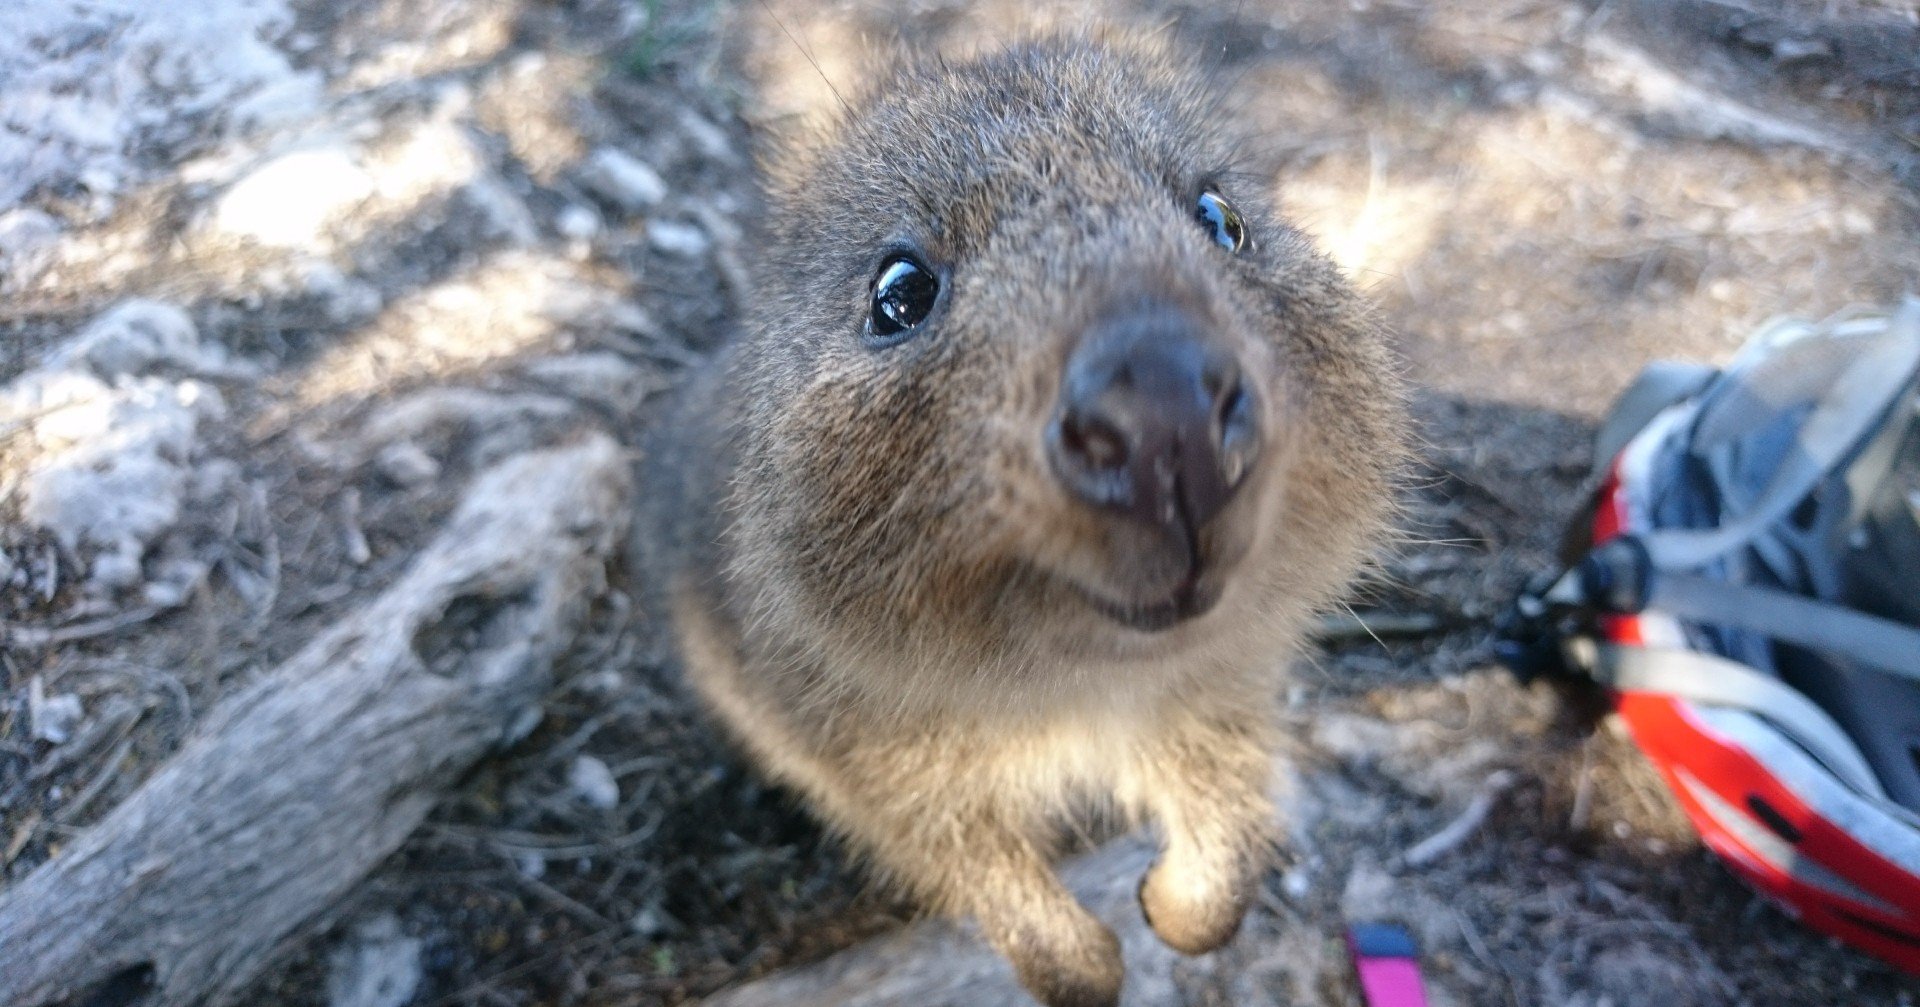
x=432 y=248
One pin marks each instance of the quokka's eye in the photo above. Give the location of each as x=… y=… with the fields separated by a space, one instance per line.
x=904 y=292
x=1222 y=221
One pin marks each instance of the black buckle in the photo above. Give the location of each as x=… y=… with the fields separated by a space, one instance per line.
x=1528 y=635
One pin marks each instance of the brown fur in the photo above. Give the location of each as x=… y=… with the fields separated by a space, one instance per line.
x=877 y=584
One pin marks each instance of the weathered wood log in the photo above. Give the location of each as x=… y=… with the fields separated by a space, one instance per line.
x=937 y=963
x=299 y=786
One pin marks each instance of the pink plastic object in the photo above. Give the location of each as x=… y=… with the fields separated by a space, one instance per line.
x=1388 y=964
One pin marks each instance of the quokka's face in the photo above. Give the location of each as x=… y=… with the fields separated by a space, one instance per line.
x=1028 y=352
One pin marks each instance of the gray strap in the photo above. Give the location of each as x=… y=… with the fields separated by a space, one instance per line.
x=1844 y=414
x=1890 y=646
x=1715 y=681
x=1659 y=385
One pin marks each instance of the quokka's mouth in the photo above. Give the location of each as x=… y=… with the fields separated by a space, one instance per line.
x=1191 y=600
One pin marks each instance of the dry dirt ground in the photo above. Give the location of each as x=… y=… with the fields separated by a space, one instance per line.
x=433 y=248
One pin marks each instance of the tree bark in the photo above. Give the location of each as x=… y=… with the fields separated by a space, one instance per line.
x=298 y=787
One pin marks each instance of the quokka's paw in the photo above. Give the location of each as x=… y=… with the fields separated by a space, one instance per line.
x=1191 y=911
x=1072 y=966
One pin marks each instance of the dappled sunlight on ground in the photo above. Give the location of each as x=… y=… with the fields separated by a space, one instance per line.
x=502 y=308
x=531 y=107
x=490 y=225
x=403 y=45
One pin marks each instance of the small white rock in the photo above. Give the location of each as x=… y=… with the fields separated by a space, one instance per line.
x=522 y=725
x=676 y=238
x=174 y=583
x=577 y=223
x=165 y=594
x=27 y=240
x=710 y=140
x=53 y=718
x=605 y=682
x=379 y=966
x=406 y=464
x=648 y=922
x=593 y=783
x=116 y=569
x=133 y=336
x=623 y=180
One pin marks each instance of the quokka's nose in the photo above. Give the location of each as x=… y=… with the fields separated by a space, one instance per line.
x=1154 y=422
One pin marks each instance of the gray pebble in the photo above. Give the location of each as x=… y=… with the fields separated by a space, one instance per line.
x=676 y=238
x=623 y=180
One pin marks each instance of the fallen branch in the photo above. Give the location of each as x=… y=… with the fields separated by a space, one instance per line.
x=53 y=636
x=300 y=785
